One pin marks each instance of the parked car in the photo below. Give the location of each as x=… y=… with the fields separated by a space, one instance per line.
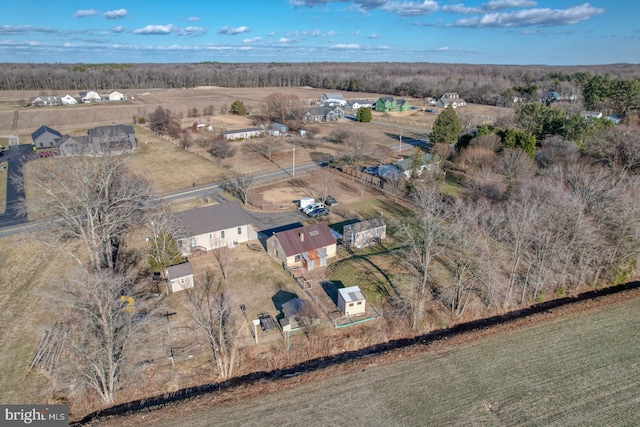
x=330 y=201
x=318 y=213
x=312 y=207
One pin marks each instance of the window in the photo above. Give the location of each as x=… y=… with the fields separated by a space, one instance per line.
x=222 y=234
x=182 y=280
x=297 y=258
x=193 y=243
x=350 y=304
x=239 y=230
x=359 y=302
x=211 y=236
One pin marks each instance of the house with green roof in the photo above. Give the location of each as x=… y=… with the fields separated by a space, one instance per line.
x=387 y=104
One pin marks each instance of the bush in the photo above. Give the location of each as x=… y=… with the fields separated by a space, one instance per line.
x=221 y=149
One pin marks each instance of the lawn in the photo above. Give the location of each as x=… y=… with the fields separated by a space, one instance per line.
x=578 y=370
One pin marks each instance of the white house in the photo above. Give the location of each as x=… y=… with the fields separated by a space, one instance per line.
x=451 y=99
x=333 y=98
x=243 y=133
x=90 y=96
x=114 y=95
x=351 y=301
x=180 y=276
x=216 y=226
x=69 y=100
x=361 y=103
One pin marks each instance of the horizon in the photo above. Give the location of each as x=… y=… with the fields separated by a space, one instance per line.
x=489 y=32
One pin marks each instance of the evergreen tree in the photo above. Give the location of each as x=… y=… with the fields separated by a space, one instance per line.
x=364 y=115
x=447 y=127
x=238 y=108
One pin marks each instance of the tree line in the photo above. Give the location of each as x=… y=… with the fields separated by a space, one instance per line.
x=482 y=84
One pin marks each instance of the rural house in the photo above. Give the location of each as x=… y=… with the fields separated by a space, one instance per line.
x=364 y=233
x=451 y=98
x=360 y=103
x=45 y=137
x=333 y=99
x=46 y=101
x=242 y=133
x=278 y=129
x=307 y=247
x=114 y=95
x=351 y=301
x=69 y=100
x=386 y=104
x=323 y=114
x=180 y=277
x=297 y=313
x=212 y=227
x=90 y=96
x=101 y=139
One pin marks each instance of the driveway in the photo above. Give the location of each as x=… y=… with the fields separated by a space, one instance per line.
x=16 y=156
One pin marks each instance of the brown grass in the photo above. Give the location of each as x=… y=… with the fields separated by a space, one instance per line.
x=4 y=172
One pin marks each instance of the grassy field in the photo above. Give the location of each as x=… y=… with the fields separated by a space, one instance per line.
x=580 y=370
x=4 y=172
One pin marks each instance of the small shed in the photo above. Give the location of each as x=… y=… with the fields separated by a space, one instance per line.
x=279 y=128
x=351 y=301
x=180 y=276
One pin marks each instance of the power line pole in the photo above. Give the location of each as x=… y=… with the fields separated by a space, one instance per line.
x=293 y=170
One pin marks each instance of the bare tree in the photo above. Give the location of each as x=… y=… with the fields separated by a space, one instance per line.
x=96 y=199
x=396 y=184
x=426 y=235
x=223 y=256
x=285 y=108
x=214 y=312
x=265 y=146
x=324 y=182
x=101 y=310
x=240 y=185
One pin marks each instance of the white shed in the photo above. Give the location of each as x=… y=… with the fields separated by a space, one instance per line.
x=351 y=301
x=180 y=276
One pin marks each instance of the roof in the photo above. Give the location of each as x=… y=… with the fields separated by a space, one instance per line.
x=214 y=218
x=44 y=129
x=333 y=95
x=180 y=270
x=314 y=236
x=351 y=294
x=386 y=98
x=293 y=307
x=112 y=132
x=231 y=132
x=366 y=225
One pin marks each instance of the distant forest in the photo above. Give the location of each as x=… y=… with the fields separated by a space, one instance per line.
x=482 y=84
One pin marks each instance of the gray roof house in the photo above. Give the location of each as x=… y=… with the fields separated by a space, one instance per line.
x=243 y=133
x=323 y=114
x=307 y=247
x=45 y=137
x=333 y=98
x=215 y=226
x=364 y=233
x=101 y=139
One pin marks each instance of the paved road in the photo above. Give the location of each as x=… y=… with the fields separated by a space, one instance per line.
x=11 y=224
x=16 y=156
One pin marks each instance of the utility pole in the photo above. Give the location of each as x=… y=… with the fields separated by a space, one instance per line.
x=293 y=170
x=400 y=148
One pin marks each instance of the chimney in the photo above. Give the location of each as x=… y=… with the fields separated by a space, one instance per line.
x=301 y=237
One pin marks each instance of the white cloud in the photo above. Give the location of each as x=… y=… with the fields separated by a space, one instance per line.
x=85 y=12
x=347 y=46
x=356 y=33
x=233 y=31
x=191 y=31
x=287 y=40
x=156 y=30
x=118 y=29
x=532 y=17
x=116 y=14
x=12 y=30
x=193 y=18
x=374 y=36
x=411 y=8
x=252 y=40
x=442 y=49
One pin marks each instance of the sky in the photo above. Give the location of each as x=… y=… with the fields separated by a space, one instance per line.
x=523 y=32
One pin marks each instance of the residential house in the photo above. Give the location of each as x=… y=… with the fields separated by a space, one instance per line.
x=216 y=226
x=451 y=99
x=406 y=165
x=297 y=314
x=46 y=101
x=386 y=104
x=279 y=129
x=243 y=133
x=360 y=103
x=323 y=114
x=351 y=301
x=101 y=139
x=364 y=233
x=45 y=137
x=69 y=100
x=114 y=95
x=180 y=276
x=333 y=99
x=307 y=247
x=90 y=96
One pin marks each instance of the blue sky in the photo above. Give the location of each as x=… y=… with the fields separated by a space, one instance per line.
x=552 y=32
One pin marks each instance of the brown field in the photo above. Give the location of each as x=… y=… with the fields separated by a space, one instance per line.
x=576 y=369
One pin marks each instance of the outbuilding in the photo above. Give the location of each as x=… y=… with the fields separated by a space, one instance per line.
x=351 y=301
x=180 y=276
